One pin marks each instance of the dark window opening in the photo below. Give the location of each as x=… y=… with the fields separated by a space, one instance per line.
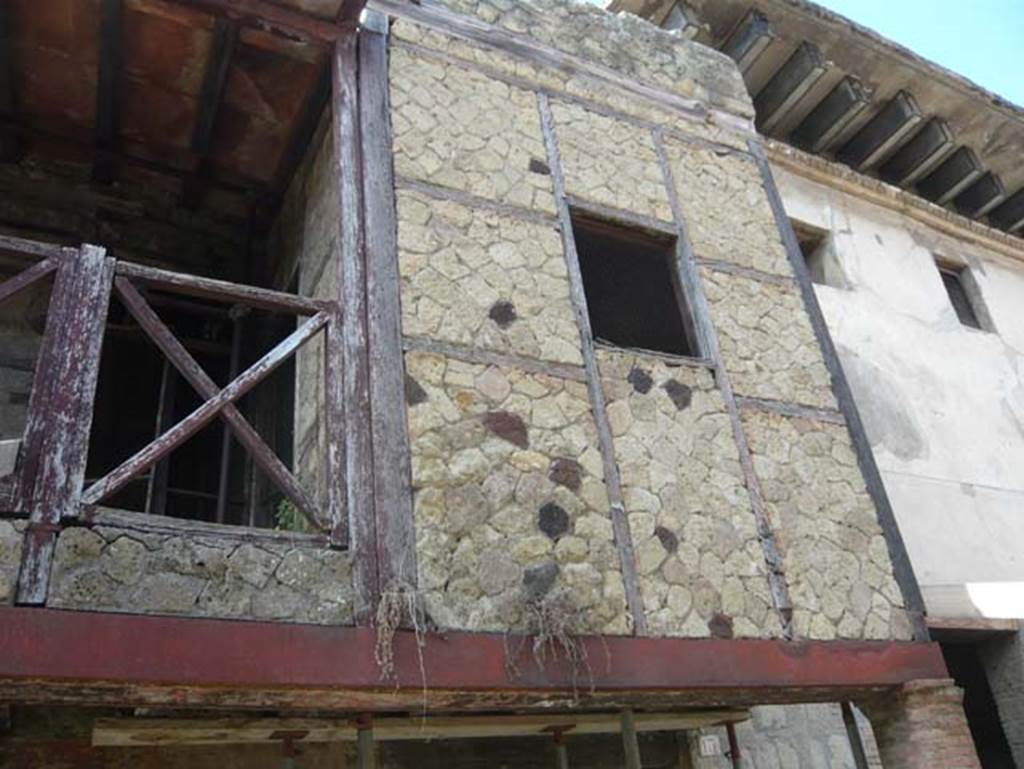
x=814 y=245
x=990 y=741
x=634 y=295
x=955 y=281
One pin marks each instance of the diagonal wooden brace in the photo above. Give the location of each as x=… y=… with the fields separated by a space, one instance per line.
x=27 y=277
x=220 y=402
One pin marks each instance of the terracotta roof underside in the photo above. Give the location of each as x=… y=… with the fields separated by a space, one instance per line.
x=178 y=97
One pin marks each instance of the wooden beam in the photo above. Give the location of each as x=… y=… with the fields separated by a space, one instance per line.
x=1010 y=214
x=788 y=85
x=919 y=155
x=630 y=745
x=9 y=140
x=860 y=759
x=350 y=11
x=392 y=464
x=182 y=662
x=56 y=444
x=108 y=91
x=126 y=732
x=831 y=116
x=354 y=363
x=956 y=173
x=981 y=197
x=265 y=15
x=749 y=39
x=218 y=62
x=617 y=512
x=882 y=133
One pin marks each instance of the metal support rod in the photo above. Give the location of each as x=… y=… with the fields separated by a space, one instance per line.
x=237 y=314
x=860 y=759
x=156 y=487
x=629 y=741
x=365 y=758
x=734 y=745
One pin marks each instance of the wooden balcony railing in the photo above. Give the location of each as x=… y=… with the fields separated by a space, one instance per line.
x=48 y=485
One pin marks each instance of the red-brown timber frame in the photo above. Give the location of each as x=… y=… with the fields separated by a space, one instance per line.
x=103 y=659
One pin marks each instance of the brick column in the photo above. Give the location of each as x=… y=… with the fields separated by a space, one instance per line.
x=922 y=726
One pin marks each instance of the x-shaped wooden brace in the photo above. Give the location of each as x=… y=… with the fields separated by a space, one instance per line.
x=219 y=402
x=27 y=277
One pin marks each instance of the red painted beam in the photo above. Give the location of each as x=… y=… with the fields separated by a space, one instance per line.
x=44 y=645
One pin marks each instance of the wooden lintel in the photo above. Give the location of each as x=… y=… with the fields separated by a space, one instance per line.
x=111 y=43
x=126 y=732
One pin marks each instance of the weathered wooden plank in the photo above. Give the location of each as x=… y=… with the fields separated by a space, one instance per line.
x=33 y=247
x=108 y=92
x=354 y=360
x=215 y=77
x=475 y=201
x=334 y=416
x=216 y=404
x=207 y=388
x=222 y=290
x=60 y=418
x=903 y=571
x=27 y=277
x=620 y=523
x=747 y=272
x=611 y=214
x=702 y=317
x=790 y=409
x=392 y=467
x=487 y=357
x=125 y=732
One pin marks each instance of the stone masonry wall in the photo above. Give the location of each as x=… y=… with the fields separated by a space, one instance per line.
x=12 y=537
x=129 y=562
x=481 y=277
x=510 y=503
x=701 y=566
x=476 y=277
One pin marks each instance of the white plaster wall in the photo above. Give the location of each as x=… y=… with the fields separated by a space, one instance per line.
x=943 y=404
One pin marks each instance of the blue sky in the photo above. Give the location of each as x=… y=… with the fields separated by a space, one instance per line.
x=983 y=40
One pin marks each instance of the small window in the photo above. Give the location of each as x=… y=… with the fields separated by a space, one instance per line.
x=634 y=296
x=964 y=295
x=819 y=256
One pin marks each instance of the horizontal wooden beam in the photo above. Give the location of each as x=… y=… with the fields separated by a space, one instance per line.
x=137 y=660
x=920 y=155
x=129 y=732
x=831 y=116
x=882 y=133
x=956 y=173
x=749 y=39
x=789 y=85
x=271 y=16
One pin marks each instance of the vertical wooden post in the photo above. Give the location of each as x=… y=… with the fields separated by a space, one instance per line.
x=860 y=759
x=734 y=745
x=354 y=362
x=620 y=522
x=365 y=758
x=60 y=410
x=561 y=750
x=629 y=741
x=392 y=473
x=224 y=481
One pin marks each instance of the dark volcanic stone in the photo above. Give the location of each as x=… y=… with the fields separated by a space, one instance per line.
x=720 y=626
x=503 y=313
x=668 y=540
x=506 y=425
x=640 y=380
x=414 y=392
x=566 y=472
x=538 y=580
x=539 y=167
x=553 y=520
x=680 y=394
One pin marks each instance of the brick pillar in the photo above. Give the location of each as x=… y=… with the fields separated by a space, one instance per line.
x=922 y=726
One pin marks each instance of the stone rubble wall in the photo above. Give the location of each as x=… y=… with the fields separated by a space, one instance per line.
x=12 y=537
x=510 y=503
x=476 y=277
x=837 y=563
x=610 y=162
x=474 y=187
x=701 y=567
x=766 y=340
x=127 y=562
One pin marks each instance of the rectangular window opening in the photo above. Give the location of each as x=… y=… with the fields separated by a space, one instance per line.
x=635 y=298
x=963 y=295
